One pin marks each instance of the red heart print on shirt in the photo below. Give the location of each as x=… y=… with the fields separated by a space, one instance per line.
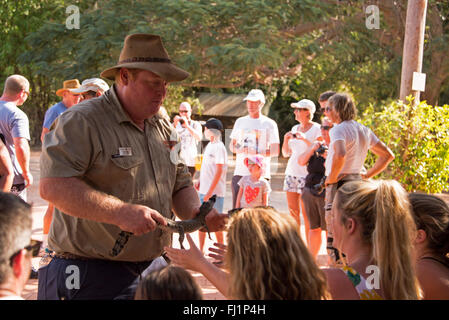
x=251 y=194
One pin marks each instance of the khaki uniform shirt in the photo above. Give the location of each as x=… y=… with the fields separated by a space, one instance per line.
x=97 y=142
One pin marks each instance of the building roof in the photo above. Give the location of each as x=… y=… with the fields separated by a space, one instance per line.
x=227 y=105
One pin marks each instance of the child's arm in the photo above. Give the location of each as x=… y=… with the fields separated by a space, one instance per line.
x=239 y=196
x=215 y=181
x=265 y=198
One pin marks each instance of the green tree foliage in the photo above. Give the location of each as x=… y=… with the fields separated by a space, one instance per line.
x=418 y=135
x=291 y=48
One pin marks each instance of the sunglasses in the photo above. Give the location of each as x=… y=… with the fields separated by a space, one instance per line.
x=328 y=109
x=183 y=111
x=326 y=127
x=301 y=109
x=33 y=247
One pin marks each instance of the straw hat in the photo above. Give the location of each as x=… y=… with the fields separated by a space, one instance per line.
x=68 y=84
x=145 y=51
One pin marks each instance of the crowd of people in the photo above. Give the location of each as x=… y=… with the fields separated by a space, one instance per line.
x=107 y=169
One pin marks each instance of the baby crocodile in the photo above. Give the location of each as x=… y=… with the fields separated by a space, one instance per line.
x=181 y=227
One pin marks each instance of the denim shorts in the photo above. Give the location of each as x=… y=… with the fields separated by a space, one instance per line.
x=219 y=203
x=294 y=184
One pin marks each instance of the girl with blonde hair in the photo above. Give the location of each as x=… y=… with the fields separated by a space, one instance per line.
x=432 y=245
x=374 y=228
x=265 y=258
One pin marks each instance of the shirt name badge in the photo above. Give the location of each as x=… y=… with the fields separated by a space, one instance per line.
x=123 y=152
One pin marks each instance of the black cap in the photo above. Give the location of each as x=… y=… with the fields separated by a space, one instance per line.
x=213 y=123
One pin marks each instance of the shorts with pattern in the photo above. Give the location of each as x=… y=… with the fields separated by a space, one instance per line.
x=294 y=184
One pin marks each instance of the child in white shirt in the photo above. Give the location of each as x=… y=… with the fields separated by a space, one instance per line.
x=213 y=171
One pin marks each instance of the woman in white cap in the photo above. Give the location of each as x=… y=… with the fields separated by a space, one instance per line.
x=296 y=142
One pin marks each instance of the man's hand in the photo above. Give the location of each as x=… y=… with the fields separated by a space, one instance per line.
x=28 y=179
x=139 y=219
x=216 y=221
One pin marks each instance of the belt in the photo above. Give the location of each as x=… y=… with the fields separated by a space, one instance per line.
x=71 y=256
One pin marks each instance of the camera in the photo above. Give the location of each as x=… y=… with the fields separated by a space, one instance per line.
x=321 y=149
x=182 y=121
x=319 y=187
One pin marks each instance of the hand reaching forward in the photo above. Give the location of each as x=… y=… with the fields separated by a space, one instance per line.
x=218 y=254
x=192 y=258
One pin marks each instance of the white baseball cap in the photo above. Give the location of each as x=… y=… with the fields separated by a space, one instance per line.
x=93 y=84
x=186 y=105
x=255 y=95
x=306 y=104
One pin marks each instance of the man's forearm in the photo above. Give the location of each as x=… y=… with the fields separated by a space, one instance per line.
x=195 y=134
x=186 y=203
x=74 y=197
x=273 y=151
x=23 y=154
x=337 y=164
x=379 y=166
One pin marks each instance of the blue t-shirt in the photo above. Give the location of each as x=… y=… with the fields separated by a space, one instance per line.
x=13 y=124
x=52 y=113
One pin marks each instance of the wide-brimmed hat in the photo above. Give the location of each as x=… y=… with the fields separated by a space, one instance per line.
x=146 y=52
x=93 y=84
x=304 y=104
x=67 y=85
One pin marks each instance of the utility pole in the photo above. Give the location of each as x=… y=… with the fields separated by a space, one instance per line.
x=412 y=56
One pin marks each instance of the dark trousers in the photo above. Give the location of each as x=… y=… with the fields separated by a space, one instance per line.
x=70 y=279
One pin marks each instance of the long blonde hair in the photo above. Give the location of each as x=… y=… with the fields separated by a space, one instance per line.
x=268 y=260
x=382 y=210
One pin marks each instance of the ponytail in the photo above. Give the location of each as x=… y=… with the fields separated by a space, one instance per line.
x=382 y=210
x=392 y=242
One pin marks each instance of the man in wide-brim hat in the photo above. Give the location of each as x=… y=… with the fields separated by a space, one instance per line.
x=107 y=168
x=69 y=99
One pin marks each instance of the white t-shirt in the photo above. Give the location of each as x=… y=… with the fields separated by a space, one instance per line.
x=358 y=140
x=298 y=147
x=214 y=153
x=189 y=145
x=257 y=133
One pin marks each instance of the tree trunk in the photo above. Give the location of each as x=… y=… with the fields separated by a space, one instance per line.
x=412 y=57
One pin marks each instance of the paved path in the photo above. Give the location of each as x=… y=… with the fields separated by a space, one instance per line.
x=277 y=199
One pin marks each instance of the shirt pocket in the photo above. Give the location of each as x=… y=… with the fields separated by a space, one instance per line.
x=123 y=177
x=127 y=163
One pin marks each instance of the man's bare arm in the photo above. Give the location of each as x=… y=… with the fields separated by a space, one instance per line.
x=44 y=132
x=338 y=161
x=6 y=169
x=384 y=157
x=74 y=197
x=23 y=157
